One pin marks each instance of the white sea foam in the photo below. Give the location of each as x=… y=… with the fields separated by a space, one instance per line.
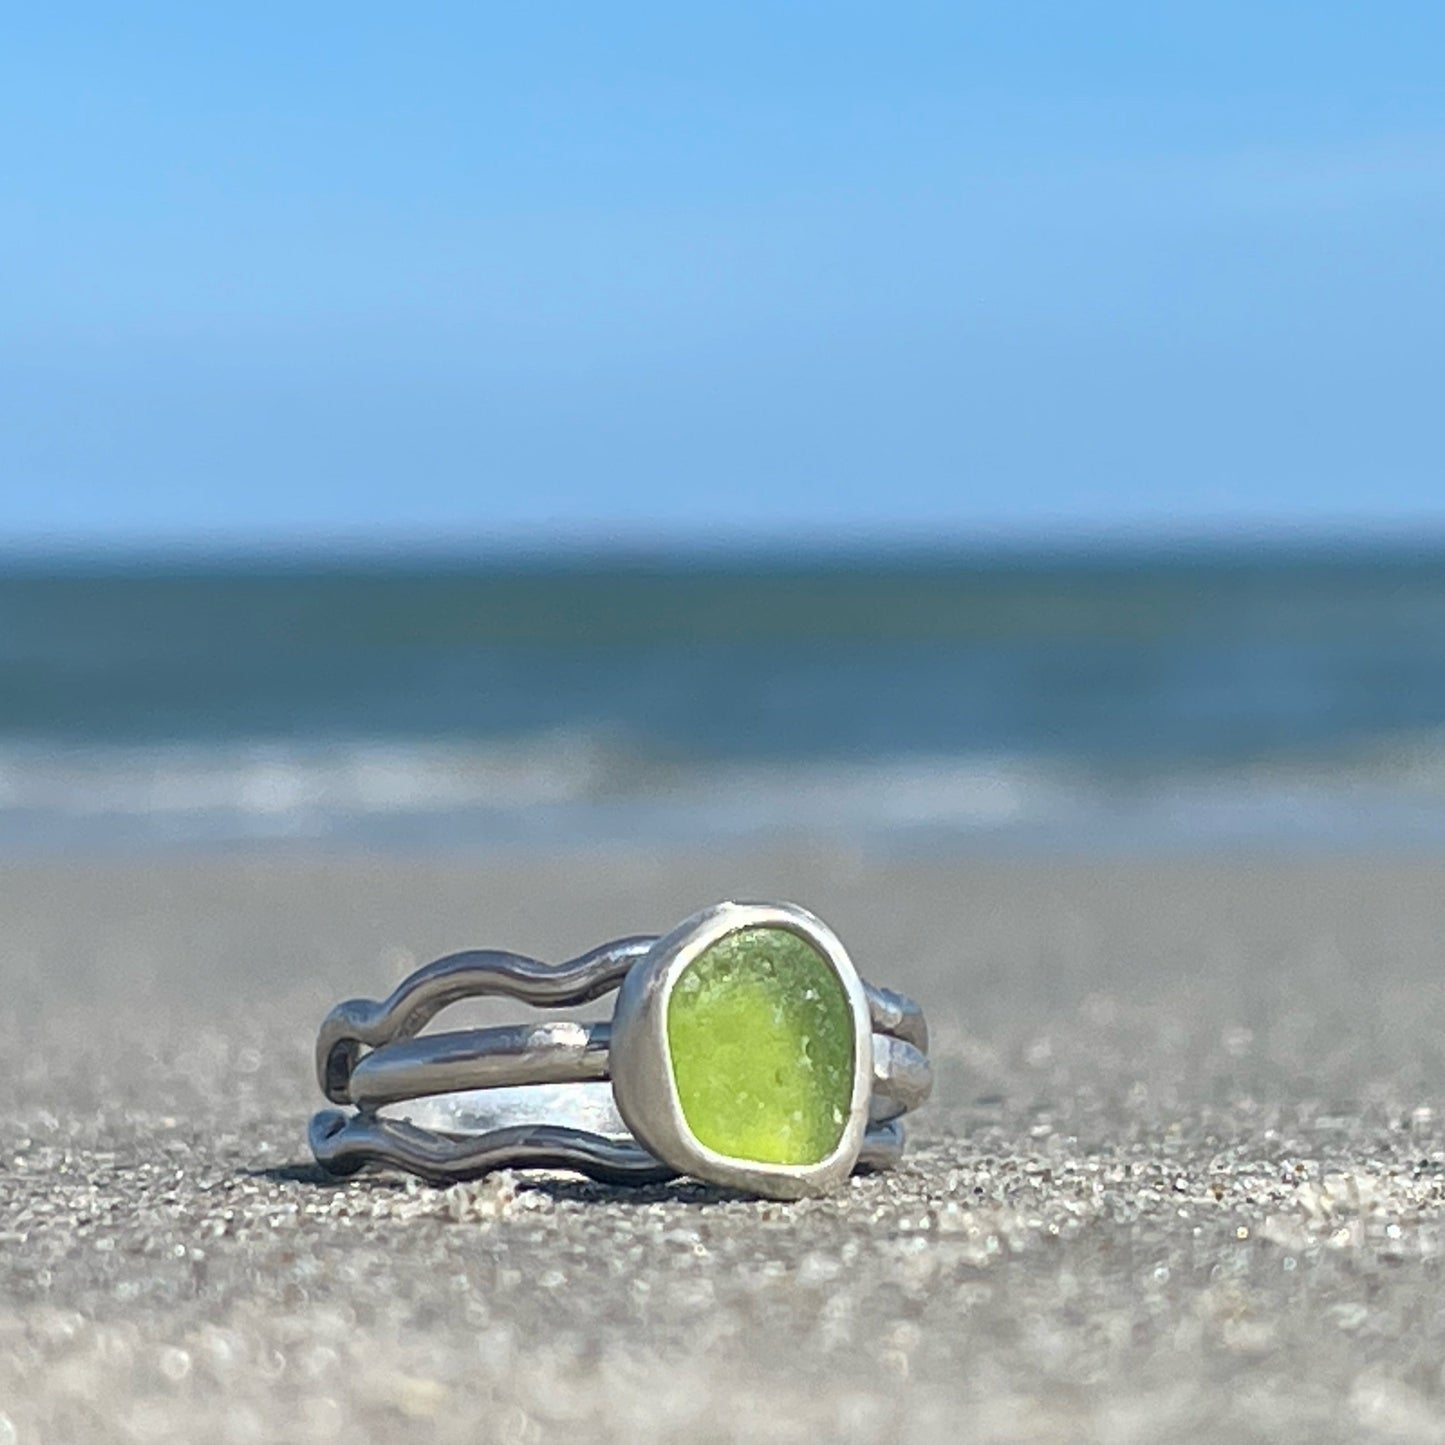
x=277 y=781
x=574 y=788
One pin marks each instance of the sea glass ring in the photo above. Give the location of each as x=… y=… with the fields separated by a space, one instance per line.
x=743 y=1050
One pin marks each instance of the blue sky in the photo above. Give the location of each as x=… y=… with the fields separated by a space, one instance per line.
x=479 y=272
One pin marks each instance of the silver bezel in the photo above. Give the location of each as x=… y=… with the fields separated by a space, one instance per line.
x=641 y=1066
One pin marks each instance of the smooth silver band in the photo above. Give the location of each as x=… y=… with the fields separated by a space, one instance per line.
x=568 y=1053
x=527 y=1062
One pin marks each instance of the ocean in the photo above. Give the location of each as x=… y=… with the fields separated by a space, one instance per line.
x=1132 y=700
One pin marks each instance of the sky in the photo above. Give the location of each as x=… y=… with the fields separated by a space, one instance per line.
x=794 y=271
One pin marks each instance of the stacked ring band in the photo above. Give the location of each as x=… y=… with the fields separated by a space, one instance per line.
x=743 y=1049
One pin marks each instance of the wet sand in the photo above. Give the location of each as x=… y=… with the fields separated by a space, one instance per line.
x=1183 y=1176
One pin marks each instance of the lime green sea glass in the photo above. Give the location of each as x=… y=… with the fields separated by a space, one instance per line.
x=760 y=1033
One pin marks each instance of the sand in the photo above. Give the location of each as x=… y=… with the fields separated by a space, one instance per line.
x=1181 y=1178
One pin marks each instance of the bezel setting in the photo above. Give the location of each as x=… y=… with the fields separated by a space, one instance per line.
x=643 y=1082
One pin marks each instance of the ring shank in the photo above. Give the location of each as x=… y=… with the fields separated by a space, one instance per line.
x=496 y=1058
x=569 y=1053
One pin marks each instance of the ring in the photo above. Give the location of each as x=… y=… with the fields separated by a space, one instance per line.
x=743 y=1050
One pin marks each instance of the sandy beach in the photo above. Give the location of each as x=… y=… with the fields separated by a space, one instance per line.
x=1181 y=1177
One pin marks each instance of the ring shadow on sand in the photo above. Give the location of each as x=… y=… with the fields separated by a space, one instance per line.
x=559 y=1188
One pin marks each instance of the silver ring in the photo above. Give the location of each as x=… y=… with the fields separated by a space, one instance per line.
x=743 y=1049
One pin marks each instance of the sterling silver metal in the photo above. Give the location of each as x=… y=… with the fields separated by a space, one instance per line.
x=458 y=1105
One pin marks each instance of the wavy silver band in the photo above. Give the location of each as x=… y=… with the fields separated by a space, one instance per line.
x=527 y=1095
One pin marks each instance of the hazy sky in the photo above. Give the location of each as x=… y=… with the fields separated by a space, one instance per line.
x=475 y=270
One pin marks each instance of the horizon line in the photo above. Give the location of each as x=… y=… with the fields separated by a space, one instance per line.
x=396 y=548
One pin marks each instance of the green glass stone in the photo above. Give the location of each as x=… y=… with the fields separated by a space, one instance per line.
x=760 y=1033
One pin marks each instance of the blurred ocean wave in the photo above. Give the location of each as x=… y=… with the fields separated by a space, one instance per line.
x=1215 y=699
x=565 y=791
